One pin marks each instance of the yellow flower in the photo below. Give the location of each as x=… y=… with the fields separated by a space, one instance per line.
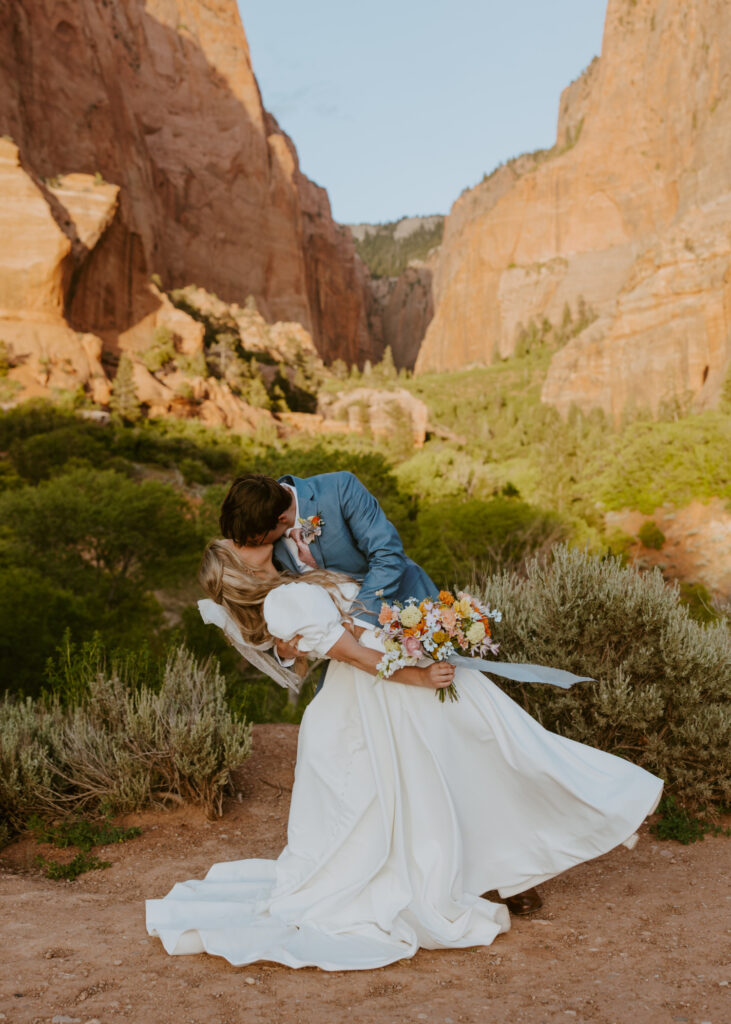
x=463 y=607
x=440 y=637
x=392 y=645
x=476 y=633
x=410 y=615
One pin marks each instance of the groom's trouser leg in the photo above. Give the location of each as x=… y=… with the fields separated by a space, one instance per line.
x=321 y=680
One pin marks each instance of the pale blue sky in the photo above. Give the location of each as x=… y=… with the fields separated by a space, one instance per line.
x=396 y=106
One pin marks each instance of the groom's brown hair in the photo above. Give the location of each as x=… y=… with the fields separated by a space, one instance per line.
x=252 y=507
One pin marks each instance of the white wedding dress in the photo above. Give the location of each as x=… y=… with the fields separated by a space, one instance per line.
x=404 y=810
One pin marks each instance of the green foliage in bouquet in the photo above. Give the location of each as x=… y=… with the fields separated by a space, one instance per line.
x=121 y=747
x=663 y=691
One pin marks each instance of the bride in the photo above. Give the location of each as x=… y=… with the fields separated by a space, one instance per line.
x=404 y=809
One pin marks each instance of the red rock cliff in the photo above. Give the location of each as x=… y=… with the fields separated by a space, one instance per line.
x=159 y=98
x=631 y=210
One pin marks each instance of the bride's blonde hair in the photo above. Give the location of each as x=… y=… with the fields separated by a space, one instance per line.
x=241 y=589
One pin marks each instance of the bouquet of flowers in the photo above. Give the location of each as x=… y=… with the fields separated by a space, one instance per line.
x=437 y=628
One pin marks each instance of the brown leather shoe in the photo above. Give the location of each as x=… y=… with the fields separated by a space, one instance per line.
x=524 y=902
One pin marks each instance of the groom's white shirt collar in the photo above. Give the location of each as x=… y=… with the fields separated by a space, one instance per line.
x=296 y=509
x=292 y=548
x=286 y=538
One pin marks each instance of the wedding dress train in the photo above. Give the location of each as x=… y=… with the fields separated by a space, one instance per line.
x=403 y=811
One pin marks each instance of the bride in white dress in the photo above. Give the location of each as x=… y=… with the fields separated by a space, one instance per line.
x=404 y=809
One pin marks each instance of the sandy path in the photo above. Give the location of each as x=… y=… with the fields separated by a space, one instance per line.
x=630 y=937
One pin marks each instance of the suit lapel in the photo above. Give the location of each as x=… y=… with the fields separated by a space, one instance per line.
x=307 y=501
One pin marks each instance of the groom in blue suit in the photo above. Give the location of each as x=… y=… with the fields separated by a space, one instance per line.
x=352 y=535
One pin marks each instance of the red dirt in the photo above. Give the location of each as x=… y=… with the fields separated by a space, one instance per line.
x=633 y=936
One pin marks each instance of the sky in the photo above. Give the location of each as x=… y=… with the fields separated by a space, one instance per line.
x=396 y=106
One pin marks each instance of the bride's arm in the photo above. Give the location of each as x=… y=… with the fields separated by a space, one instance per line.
x=305 y=616
x=347 y=649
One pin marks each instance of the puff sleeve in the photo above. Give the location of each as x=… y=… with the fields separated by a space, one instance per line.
x=305 y=609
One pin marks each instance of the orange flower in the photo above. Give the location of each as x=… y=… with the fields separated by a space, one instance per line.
x=445 y=597
x=385 y=615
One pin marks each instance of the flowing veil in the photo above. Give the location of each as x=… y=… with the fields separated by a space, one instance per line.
x=216 y=614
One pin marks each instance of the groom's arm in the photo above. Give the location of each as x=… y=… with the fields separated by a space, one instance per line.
x=377 y=539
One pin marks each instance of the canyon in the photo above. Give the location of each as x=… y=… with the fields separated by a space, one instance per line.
x=154 y=159
x=155 y=167
x=629 y=213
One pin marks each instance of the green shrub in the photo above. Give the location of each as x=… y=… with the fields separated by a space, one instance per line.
x=651 y=535
x=676 y=823
x=663 y=680
x=121 y=748
x=195 y=472
x=649 y=464
x=699 y=602
x=162 y=351
x=101 y=528
x=46 y=454
x=454 y=541
x=59 y=871
x=80 y=832
x=192 y=366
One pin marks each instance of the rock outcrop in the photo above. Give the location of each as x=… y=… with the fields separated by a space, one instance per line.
x=630 y=211
x=400 y=258
x=45 y=234
x=400 y=310
x=159 y=98
x=385 y=413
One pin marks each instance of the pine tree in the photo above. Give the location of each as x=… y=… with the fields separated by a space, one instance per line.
x=124 y=400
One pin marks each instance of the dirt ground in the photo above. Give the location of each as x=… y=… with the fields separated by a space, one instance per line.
x=637 y=936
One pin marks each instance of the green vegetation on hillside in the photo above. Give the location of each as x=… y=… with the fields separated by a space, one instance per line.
x=102 y=526
x=387 y=256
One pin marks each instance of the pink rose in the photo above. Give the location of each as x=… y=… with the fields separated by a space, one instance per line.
x=412 y=646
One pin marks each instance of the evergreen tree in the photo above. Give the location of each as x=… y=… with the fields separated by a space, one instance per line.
x=125 y=401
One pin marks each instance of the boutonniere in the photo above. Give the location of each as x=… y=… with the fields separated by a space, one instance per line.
x=311 y=527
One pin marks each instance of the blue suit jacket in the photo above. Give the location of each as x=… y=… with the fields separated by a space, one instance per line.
x=356 y=539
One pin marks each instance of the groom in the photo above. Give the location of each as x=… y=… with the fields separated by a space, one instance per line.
x=331 y=521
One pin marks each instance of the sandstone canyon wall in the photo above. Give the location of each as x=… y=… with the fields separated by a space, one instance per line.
x=630 y=210
x=158 y=98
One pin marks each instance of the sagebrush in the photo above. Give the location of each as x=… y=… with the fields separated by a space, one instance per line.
x=121 y=748
x=663 y=689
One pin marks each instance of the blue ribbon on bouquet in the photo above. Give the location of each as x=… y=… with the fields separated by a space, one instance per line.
x=520 y=673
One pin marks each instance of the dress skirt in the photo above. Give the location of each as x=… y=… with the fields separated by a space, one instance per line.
x=404 y=810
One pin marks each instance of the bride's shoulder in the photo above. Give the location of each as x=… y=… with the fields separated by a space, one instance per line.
x=299 y=595
x=296 y=594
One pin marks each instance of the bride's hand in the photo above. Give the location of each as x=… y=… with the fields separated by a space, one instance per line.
x=438 y=675
x=288 y=649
